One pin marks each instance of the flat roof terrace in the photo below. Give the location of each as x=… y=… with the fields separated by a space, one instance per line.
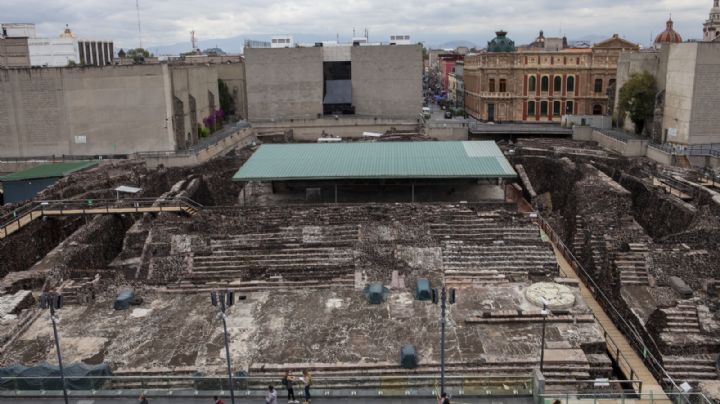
x=376 y=160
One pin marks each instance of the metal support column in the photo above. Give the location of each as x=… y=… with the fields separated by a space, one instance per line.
x=413 y=193
x=57 y=349
x=336 y=193
x=442 y=341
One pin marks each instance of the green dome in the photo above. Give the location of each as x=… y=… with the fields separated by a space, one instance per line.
x=501 y=43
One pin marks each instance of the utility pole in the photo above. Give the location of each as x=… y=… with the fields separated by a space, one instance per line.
x=137 y=8
x=441 y=296
x=223 y=300
x=54 y=301
x=544 y=314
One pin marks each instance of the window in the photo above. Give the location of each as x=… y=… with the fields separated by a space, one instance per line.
x=557 y=85
x=577 y=61
x=491 y=87
x=525 y=59
x=598 y=85
x=503 y=85
x=597 y=109
x=543 y=108
x=569 y=108
x=531 y=108
x=556 y=107
x=531 y=84
x=564 y=60
x=544 y=83
x=570 y=84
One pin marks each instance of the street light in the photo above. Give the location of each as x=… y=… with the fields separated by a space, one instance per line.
x=442 y=297
x=54 y=301
x=223 y=300
x=544 y=314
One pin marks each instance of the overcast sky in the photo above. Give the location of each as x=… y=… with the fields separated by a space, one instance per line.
x=431 y=21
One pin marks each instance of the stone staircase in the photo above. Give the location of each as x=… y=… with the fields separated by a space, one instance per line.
x=632 y=265
x=496 y=263
x=692 y=369
x=683 y=318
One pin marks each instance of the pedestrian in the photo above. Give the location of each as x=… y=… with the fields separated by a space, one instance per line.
x=271 y=396
x=307 y=380
x=557 y=402
x=218 y=401
x=142 y=399
x=287 y=381
x=443 y=399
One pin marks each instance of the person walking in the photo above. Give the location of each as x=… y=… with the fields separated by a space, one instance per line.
x=217 y=400
x=443 y=399
x=142 y=399
x=271 y=396
x=287 y=381
x=307 y=380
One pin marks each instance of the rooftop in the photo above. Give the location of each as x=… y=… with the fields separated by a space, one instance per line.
x=276 y=162
x=49 y=170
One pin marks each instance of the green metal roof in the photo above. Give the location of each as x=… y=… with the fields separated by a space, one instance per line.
x=375 y=160
x=49 y=170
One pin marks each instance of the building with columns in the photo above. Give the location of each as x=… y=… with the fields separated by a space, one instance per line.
x=711 y=27
x=539 y=84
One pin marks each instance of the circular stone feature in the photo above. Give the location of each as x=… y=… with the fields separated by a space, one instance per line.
x=557 y=296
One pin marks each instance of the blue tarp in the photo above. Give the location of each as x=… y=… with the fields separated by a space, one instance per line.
x=422 y=289
x=124 y=299
x=408 y=357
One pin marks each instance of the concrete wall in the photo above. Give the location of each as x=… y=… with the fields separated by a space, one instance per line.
x=345 y=126
x=705 y=118
x=200 y=83
x=387 y=80
x=116 y=109
x=630 y=148
x=14 y=52
x=679 y=91
x=233 y=74
x=284 y=83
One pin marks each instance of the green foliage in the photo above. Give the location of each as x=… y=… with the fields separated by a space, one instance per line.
x=637 y=98
x=203 y=131
x=138 y=54
x=227 y=103
x=72 y=63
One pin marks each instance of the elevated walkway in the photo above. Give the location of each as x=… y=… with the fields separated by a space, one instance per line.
x=618 y=345
x=18 y=219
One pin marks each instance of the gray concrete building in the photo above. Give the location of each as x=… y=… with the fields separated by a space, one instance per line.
x=14 y=52
x=688 y=84
x=101 y=111
x=383 y=81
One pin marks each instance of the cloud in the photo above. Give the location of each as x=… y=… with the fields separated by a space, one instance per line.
x=168 y=22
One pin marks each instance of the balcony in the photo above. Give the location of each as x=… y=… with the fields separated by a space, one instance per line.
x=496 y=95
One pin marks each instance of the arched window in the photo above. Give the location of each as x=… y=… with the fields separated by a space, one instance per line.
x=531 y=84
x=569 y=108
x=544 y=83
x=531 y=108
x=543 y=108
x=597 y=109
x=557 y=84
x=556 y=108
x=570 y=84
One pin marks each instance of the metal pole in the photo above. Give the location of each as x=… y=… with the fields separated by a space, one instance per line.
x=413 y=193
x=442 y=341
x=542 y=343
x=57 y=349
x=335 y=193
x=227 y=353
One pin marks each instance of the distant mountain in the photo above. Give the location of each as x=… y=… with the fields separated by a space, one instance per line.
x=456 y=44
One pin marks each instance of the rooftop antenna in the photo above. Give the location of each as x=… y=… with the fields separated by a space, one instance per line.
x=137 y=8
x=193 y=40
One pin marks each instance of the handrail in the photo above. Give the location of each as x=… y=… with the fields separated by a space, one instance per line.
x=675 y=397
x=636 y=340
x=94 y=204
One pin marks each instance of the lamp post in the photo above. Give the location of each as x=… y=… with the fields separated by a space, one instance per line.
x=544 y=314
x=223 y=300
x=54 y=301
x=441 y=296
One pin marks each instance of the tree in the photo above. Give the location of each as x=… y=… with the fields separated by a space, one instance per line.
x=227 y=103
x=138 y=55
x=72 y=63
x=637 y=98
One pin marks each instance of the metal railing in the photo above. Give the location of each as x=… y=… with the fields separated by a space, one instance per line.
x=253 y=386
x=91 y=206
x=622 y=397
x=634 y=338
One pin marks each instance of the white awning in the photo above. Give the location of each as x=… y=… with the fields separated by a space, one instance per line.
x=128 y=189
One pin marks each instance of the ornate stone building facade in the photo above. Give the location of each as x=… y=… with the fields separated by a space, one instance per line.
x=537 y=84
x=711 y=27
